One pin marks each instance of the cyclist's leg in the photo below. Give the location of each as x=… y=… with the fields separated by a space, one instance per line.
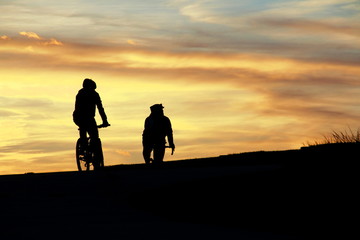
x=95 y=143
x=93 y=132
x=83 y=137
x=97 y=151
x=159 y=152
x=92 y=129
x=81 y=147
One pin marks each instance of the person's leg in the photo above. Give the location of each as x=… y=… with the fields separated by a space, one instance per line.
x=159 y=152
x=147 y=149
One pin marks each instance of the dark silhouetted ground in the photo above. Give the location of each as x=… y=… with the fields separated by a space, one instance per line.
x=296 y=194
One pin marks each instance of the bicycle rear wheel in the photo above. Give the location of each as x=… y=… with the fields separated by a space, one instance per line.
x=82 y=160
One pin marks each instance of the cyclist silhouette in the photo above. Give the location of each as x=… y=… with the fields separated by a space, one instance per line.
x=87 y=100
x=157 y=128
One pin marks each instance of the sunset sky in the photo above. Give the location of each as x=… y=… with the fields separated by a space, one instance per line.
x=234 y=76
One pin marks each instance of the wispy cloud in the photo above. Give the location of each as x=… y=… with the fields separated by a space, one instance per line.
x=46 y=42
x=277 y=76
x=131 y=42
x=267 y=26
x=313 y=26
x=38 y=147
x=4 y=37
x=30 y=35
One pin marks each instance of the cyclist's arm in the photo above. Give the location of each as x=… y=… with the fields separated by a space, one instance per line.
x=101 y=110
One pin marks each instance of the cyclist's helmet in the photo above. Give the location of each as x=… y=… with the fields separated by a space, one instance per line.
x=89 y=84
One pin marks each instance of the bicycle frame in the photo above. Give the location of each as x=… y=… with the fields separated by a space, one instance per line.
x=89 y=155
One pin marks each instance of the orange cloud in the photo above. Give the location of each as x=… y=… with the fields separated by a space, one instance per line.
x=53 y=41
x=43 y=41
x=4 y=37
x=31 y=35
x=131 y=42
x=286 y=87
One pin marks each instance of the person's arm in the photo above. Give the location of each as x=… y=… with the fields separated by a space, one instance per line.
x=170 y=135
x=101 y=111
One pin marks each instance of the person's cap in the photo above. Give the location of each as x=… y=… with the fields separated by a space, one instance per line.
x=156 y=107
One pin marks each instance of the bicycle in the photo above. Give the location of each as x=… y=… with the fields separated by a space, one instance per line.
x=89 y=154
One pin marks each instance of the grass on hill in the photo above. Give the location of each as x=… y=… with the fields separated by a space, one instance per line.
x=345 y=136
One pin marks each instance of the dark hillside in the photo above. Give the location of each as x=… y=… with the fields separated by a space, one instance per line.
x=294 y=194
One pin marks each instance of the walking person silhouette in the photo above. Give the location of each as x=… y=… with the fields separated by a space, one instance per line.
x=87 y=100
x=156 y=128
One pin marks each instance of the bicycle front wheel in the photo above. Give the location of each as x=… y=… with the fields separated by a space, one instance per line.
x=81 y=160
